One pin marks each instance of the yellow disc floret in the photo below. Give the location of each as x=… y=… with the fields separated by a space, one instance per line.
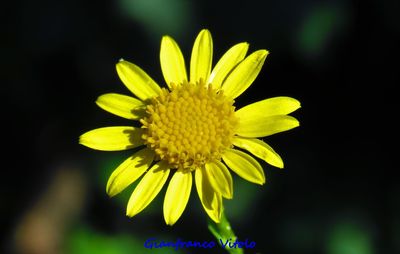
x=190 y=125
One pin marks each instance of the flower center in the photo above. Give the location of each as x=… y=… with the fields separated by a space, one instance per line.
x=190 y=125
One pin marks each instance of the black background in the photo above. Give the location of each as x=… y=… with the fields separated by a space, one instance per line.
x=340 y=164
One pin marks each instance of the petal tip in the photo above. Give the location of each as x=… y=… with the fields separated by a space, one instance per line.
x=244 y=46
x=261 y=182
x=83 y=140
x=215 y=218
x=111 y=194
x=229 y=196
x=110 y=189
x=166 y=38
x=169 y=222
x=120 y=64
x=204 y=30
x=129 y=214
x=296 y=123
x=263 y=53
x=296 y=104
x=131 y=211
x=99 y=100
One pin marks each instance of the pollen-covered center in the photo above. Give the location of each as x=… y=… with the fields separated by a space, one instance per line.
x=190 y=125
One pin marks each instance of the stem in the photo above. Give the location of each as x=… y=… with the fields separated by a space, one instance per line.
x=224 y=234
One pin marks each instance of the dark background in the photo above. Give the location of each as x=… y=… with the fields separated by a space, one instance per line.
x=338 y=193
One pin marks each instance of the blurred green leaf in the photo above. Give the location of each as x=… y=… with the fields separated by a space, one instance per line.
x=319 y=27
x=84 y=240
x=159 y=17
x=349 y=238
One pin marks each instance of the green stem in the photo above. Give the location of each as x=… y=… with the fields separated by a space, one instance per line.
x=224 y=234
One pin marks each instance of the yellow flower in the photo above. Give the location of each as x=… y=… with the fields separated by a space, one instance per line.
x=191 y=128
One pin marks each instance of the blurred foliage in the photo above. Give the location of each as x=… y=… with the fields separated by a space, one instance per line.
x=320 y=27
x=349 y=238
x=84 y=240
x=173 y=17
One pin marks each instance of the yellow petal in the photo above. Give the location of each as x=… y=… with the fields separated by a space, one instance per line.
x=177 y=196
x=137 y=81
x=220 y=178
x=260 y=149
x=244 y=165
x=122 y=105
x=112 y=138
x=253 y=127
x=227 y=62
x=129 y=171
x=273 y=106
x=244 y=74
x=172 y=62
x=201 y=59
x=211 y=200
x=148 y=188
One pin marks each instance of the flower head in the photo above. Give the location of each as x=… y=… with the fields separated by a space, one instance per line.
x=191 y=128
